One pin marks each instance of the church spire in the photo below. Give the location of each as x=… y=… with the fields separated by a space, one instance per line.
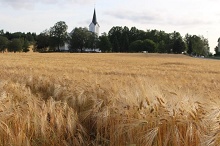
x=94 y=26
x=94 y=20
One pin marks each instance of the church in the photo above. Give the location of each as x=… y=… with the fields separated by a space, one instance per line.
x=93 y=27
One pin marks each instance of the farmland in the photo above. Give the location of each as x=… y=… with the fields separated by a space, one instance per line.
x=108 y=99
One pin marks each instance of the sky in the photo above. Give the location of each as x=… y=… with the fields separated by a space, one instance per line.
x=196 y=17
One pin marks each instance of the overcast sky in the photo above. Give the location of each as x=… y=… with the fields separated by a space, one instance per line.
x=199 y=17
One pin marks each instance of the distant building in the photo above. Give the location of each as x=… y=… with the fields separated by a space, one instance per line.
x=94 y=26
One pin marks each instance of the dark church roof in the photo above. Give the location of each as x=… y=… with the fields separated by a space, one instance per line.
x=94 y=20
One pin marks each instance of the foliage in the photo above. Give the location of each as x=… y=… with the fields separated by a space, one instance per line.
x=42 y=41
x=1 y=32
x=136 y=46
x=179 y=46
x=3 y=43
x=25 y=40
x=190 y=47
x=30 y=37
x=15 y=45
x=104 y=43
x=59 y=33
x=149 y=46
x=161 y=47
x=92 y=40
x=119 y=39
x=217 y=53
x=26 y=45
x=197 y=45
x=78 y=39
x=115 y=37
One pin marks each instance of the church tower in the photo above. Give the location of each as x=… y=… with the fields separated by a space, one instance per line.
x=94 y=26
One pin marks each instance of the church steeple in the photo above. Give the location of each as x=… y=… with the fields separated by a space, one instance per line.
x=94 y=20
x=94 y=26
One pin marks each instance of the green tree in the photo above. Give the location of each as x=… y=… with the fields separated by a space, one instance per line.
x=190 y=47
x=29 y=37
x=149 y=45
x=173 y=38
x=42 y=41
x=3 y=43
x=78 y=39
x=53 y=42
x=26 y=45
x=179 y=46
x=115 y=37
x=125 y=39
x=1 y=32
x=15 y=45
x=136 y=46
x=59 y=33
x=217 y=53
x=104 y=43
x=92 y=41
x=133 y=34
x=197 y=45
x=161 y=47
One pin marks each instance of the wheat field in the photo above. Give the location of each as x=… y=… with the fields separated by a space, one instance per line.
x=64 y=99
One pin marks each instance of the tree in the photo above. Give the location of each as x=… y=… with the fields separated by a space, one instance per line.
x=42 y=41
x=104 y=43
x=29 y=37
x=1 y=32
x=179 y=46
x=133 y=34
x=136 y=46
x=3 y=43
x=197 y=45
x=149 y=45
x=190 y=47
x=125 y=39
x=26 y=45
x=216 y=51
x=115 y=37
x=15 y=45
x=78 y=39
x=161 y=47
x=59 y=33
x=92 y=40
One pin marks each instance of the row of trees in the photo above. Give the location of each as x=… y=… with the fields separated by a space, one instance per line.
x=124 y=39
x=57 y=36
x=118 y=39
x=16 y=42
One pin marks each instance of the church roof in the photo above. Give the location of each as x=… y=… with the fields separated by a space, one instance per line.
x=94 y=20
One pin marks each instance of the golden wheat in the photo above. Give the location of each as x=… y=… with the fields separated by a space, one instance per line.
x=108 y=99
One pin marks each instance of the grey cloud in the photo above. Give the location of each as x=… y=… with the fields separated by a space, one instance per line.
x=140 y=17
x=148 y=17
x=17 y=4
x=187 y=20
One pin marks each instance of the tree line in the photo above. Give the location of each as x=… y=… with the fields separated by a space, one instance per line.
x=118 y=39
x=16 y=42
x=124 y=39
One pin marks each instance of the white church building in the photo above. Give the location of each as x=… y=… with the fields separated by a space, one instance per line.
x=93 y=27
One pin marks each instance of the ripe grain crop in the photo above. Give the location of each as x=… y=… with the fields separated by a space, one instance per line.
x=109 y=100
